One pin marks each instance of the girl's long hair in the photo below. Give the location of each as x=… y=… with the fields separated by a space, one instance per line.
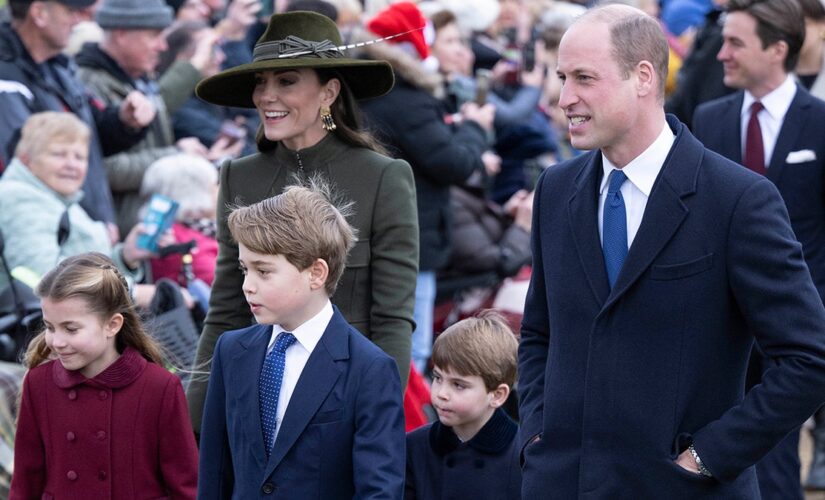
x=94 y=278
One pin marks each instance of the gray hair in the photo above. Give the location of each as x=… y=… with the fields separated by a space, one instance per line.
x=187 y=179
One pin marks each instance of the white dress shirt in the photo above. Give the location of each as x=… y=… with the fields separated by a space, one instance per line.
x=641 y=173
x=307 y=336
x=771 y=118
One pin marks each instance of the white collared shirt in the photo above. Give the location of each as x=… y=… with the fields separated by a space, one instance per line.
x=641 y=173
x=771 y=118
x=307 y=336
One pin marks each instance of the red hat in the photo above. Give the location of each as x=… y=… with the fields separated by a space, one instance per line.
x=399 y=18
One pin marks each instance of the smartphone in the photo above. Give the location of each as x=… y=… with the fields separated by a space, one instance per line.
x=482 y=86
x=528 y=57
x=232 y=131
x=267 y=9
x=160 y=214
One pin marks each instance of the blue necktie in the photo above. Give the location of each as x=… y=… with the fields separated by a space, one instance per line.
x=269 y=387
x=614 y=227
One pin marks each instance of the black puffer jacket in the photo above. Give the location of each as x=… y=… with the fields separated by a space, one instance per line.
x=27 y=88
x=410 y=121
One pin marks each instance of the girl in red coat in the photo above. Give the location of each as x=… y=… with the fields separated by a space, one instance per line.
x=99 y=417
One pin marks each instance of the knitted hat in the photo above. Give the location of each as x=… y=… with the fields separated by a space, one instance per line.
x=295 y=40
x=75 y=4
x=134 y=14
x=399 y=18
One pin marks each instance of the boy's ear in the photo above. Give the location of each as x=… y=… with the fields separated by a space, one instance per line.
x=114 y=325
x=318 y=274
x=499 y=395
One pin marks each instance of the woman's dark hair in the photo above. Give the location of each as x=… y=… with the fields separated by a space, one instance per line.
x=345 y=114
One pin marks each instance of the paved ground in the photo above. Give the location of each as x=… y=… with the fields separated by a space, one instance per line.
x=805 y=457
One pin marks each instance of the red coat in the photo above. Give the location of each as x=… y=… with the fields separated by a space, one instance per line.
x=204 y=257
x=121 y=435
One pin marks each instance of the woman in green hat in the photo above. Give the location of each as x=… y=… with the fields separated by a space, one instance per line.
x=304 y=87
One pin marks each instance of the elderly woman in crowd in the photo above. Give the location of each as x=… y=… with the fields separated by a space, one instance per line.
x=40 y=193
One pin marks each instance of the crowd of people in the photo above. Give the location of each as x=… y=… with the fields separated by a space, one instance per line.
x=335 y=170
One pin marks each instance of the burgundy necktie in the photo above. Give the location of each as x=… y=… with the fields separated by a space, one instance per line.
x=754 y=149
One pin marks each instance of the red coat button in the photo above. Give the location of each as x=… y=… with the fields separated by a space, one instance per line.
x=101 y=475
x=102 y=395
x=101 y=435
x=71 y=475
x=73 y=394
x=70 y=436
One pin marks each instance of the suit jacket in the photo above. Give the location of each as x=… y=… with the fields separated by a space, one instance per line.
x=377 y=290
x=802 y=183
x=342 y=435
x=632 y=375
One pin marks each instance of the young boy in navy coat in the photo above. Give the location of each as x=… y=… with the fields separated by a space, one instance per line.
x=301 y=405
x=470 y=452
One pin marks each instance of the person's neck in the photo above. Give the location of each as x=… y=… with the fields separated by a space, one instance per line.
x=311 y=309
x=114 y=52
x=39 y=50
x=645 y=133
x=810 y=62
x=768 y=85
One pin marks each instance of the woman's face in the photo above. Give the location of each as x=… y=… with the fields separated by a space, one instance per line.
x=289 y=104
x=61 y=165
x=452 y=54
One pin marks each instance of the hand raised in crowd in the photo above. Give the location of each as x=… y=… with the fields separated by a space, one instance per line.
x=240 y=15
x=205 y=50
x=492 y=163
x=193 y=146
x=225 y=147
x=136 y=110
x=133 y=255
x=483 y=115
x=520 y=208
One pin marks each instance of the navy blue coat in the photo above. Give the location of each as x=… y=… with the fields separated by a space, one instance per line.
x=631 y=375
x=342 y=435
x=801 y=183
x=441 y=467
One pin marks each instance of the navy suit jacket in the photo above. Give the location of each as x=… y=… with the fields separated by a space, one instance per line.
x=619 y=381
x=342 y=435
x=802 y=184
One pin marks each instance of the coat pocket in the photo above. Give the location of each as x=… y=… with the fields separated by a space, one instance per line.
x=327 y=417
x=681 y=270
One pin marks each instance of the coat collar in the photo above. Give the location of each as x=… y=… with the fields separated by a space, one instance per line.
x=125 y=370
x=328 y=149
x=496 y=435
x=17 y=171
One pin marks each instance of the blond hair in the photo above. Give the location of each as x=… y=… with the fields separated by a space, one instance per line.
x=481 y=346
x=94 y=278
x=302 y=224
x=42 y=129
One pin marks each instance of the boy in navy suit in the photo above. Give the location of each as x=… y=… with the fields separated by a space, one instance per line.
x=300 y=405
x=471 y=451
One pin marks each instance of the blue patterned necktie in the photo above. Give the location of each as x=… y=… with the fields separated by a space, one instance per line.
x=269 y=386
x=614 y=227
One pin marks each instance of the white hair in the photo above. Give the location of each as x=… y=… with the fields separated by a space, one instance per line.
x=188 y=179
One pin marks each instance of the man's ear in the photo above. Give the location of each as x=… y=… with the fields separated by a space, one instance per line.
x=318 y=274
x=779 y=50
x=646 y=75
x=499 y=395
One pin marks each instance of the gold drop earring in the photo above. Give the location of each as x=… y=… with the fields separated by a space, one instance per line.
x=326 y=119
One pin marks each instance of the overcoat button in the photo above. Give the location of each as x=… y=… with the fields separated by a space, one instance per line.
x=71 y=475
x=268 y=488
x=73 y=394
x=70 y=436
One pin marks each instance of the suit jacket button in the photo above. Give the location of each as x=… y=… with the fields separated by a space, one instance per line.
x=72 y=394
x=70 y=436
x=71 y=475
x=268 y=488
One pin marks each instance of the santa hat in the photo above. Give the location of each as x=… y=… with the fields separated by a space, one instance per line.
x=402 y=17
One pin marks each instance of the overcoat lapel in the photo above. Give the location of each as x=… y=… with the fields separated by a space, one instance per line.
x=792 y=126
x=582 y=213
x=250 y=358
x=316 y=381
x=665 y=209
x=729 y=129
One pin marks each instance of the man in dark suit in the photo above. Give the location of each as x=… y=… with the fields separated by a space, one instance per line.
x=784 y=142
x=656 y=265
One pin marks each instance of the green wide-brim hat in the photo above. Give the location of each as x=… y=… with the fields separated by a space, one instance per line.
x=295 y=40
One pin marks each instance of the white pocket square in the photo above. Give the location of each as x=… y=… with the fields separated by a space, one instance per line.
x=800 y=156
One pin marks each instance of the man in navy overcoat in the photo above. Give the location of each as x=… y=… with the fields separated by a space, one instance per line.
x=632 y=365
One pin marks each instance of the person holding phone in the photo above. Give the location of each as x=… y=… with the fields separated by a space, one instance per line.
x=304 y=89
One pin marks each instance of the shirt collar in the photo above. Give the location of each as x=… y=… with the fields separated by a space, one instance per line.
x=776 y=102
x=311 y=331
x=643 y=170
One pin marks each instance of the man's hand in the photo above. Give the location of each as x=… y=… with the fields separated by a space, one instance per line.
x=192 y=146
x=483 y=115
x=240 y=15
x=686 y=461
x=204 y=51
x=136 y=110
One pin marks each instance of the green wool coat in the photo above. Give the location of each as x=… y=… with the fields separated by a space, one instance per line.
x=377 y=291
